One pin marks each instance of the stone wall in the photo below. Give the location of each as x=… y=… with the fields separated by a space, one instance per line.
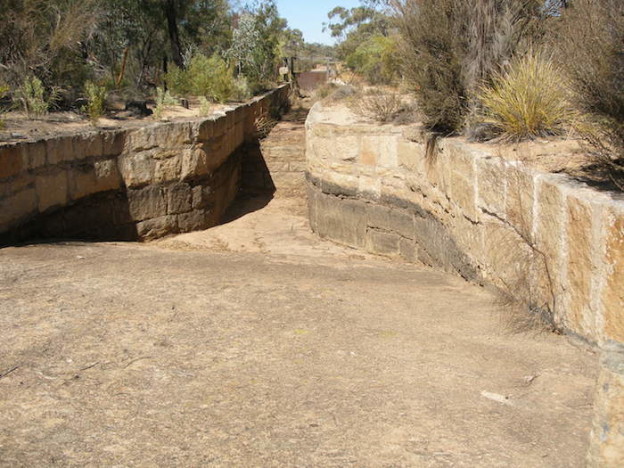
x=551 y=243
x=127 y=184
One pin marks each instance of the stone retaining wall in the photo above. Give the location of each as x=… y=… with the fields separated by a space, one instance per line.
x=549 y=242
x=127 y=184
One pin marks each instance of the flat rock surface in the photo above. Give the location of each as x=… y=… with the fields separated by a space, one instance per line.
x=257 y=344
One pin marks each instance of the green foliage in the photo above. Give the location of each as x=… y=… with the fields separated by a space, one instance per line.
x=164 y=101
x=127 y=45
x=96 y=101
x=205 y=107
x=367 y=46
x=256 y=44
x=31 y=94
x=529 y=100
x=376 y=59
x=241 y=90
x=204 y=76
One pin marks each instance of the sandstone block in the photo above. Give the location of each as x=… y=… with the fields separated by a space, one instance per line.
x=613 y=293
x=205 y=129
x=491 y=182
x=369 y=151
x=549 y=229
x=17 y=184
x=33 y=155
x=520 y=199
x=201 y=196
x=342 y=220
x=146 y=203
x=607 y=436
x=378 y=216
x=401 y=222
x=59 y=149
x=10 y=160
x=382 y=242
x=137 y=169
x=169 y=135
x=342 y=148
x=196 y=163
x=194 y=221
x=100 y=176
x=167 y=170
x=388 y=156
x=52 y=190
x=463 y=194
x=408 y=250
x=462 y=157
x=179 y=198
x=220 y=125
x=580 y=266
x=157 y=227
x=17 y=207
x=509 y=259
x=107 y=175
x=298 y=166
x=470 y=237
x=411 y=156
x=88 y=145
x=238 y=133
x=113 y=142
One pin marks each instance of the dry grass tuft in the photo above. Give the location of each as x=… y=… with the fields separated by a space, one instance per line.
x=527 y=101
x=379 y=105
x=263 y=125
x=589 y=44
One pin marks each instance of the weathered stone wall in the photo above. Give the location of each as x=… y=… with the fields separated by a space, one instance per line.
x=127 y=184
x=552 y=243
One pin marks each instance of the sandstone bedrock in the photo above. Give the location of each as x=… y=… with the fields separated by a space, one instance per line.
x=128 y=184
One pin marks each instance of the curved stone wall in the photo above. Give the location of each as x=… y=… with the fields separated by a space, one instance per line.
x=551 y=243
x=127 y=184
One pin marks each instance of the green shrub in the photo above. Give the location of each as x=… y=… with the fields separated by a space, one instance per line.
x=96 y=101
x=164 y=101
x=241 y=91
x=375 y=59
x=31 y=95
x=529 y=100
x=589 y=40
x=204 y=76
x=204 y=106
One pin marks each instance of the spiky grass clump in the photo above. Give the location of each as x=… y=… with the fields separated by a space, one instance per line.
x=529 y=100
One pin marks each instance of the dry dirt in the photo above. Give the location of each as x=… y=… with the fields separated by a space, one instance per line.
x=256 y=344
x=20 y=127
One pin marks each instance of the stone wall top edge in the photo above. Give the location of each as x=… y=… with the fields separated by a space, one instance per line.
x=568 y=184
x=87 y=133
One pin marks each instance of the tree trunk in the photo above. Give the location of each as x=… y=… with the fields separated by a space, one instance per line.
x=171 y=14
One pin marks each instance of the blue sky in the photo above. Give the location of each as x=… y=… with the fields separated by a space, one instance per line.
x=309 y=15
